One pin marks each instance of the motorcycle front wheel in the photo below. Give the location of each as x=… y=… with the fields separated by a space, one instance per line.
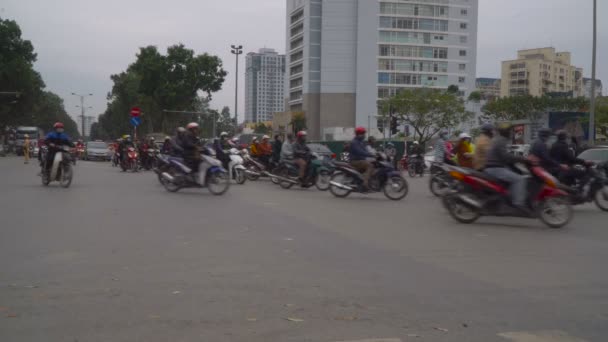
x=342 y=179
x=66 y=176
x=46 y=179
x=437 y=186
x=411 y=170
x=555 y=212
x=396 y=188
x=170 y=186
x=601 y=198
x=284 y=173
x=323 y=179
x=240 y=176
x=460 y=210
x=254 y=169
x=218 y=183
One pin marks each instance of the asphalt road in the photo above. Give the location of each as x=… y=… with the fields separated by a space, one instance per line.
x=117 y=258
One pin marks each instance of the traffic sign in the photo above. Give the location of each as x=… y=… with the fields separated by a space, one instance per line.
x=135 y=121
x=135 y=112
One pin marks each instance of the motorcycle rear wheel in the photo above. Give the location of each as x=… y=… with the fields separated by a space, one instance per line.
x=46 y=180
x=218 y=183
x=396 y=188
x=548 y=212
x=411 y=170
x=343 y=179
x=240 y=176
x=169 y=185
x=601 y=198
x=436 y=186
x=459 y=210
x=284 y=173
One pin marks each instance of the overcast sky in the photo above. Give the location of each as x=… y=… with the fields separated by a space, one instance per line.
x=80 y=43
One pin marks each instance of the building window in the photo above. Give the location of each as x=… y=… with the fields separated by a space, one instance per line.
x=463 y=26
x=464 y=12
x=462 y=53
x=463 y=39
x=461 y=79
x=462 y=67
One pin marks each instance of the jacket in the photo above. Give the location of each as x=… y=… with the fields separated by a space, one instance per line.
x=287 y=150
x=498 y=156
x=276 y=149
x=440 y=154
x=462 y=149
x=482 y=145
x=539 y=150
x=58 y=139
x=300 y=150
x=191 y=148
x=358 y=151
x=561 y=153
x=265 y=149
x=254 y=149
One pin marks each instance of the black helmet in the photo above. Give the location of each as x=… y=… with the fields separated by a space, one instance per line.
x=544 y=133
x=504 y=129
x=487 y=129
x=562 y=135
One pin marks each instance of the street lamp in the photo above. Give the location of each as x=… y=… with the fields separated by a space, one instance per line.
x=593 y=60
x=82 y=109
x=236 y=50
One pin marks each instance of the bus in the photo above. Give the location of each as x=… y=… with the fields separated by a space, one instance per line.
x=34 y=133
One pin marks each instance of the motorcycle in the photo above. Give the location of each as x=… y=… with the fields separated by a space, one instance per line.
x=385 y=178
x=595 y=188
x=211 y=175
x=256 y=169
x=79 y=152
x=115 y=159
x=235 y=166
x=61 y=170
x=415 y=165
x=318 y=174
x=440 y=181
x=484 y=195
x=131 y=162
x=150 y=160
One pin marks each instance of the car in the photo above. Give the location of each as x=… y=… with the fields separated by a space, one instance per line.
x=596 y=154
x=97 y=150
x=321 y=150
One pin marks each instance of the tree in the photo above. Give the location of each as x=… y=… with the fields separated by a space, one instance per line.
x=157 y=82
x=260 y=128
x=475 y=96
x=453 y=89
x=298 y=122
x=225 y=122
x=529 y=107
x=427 y=111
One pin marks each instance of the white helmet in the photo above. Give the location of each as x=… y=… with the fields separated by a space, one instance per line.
x=192 y=125
x=464 y=136
x=416 y=142
x=265 y=137
x=223 y=134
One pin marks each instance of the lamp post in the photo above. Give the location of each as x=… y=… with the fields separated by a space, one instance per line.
x=593 y=61
x=82 y=110
x=236 y=50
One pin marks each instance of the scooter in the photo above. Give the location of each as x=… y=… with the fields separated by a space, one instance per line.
x=484 y=195
x=318 y=174
x=131 y=162
x=595 y=188
x=211 y=175
x=61 y=171
x=235 y=167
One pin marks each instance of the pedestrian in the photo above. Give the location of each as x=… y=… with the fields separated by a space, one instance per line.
x=27 y=145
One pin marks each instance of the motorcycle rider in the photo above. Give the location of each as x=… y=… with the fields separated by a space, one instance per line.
x=124 y=146
x=54 y=141
x=416 y=153
x=190 y=145
x=176 y=143
x=498 y=162
x=265 y=150
x=482 y=145
x=301 y=154
x=442 y=155
x=287 y=148
x=562 y=153
x=540 y=152
x=276 y=148
x=166 y=149
x=359 y=155
x=220 y=146
x=254 y=147
x=464 y=151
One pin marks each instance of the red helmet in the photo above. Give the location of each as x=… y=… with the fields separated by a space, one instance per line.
x=58 y=125
x=302 y=134
x=360 y=130
x=192 y=125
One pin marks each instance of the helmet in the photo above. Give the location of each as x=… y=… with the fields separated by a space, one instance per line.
x=192 y=125
x=504 y=129
x=360 y=130
x=544 y=133
x=464 y=136
x=181 y=130
x=58 y=125
x=416 y=142
x=223 y=134
x=26 y=135
x=152 y=138
x=167 y=138
x=265 y=137
x=487 y=129
x=302 y=134
x=562 y=135
x=254 y=139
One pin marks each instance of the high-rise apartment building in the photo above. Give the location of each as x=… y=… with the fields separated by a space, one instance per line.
x=264 y=82
x=537 y=72
x=88 y=122
x=587 y=88
x=345 y=55
x=488 y=87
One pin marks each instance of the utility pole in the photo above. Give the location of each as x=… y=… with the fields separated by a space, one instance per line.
x=236 y=50
x=82 y=110
x=593 y=61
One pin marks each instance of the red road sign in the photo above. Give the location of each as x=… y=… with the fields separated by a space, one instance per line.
x=135 y=112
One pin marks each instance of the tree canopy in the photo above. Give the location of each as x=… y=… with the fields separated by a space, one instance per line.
x=32 y=105
x=179 y=80
x=527 y=107
x=427 y=110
